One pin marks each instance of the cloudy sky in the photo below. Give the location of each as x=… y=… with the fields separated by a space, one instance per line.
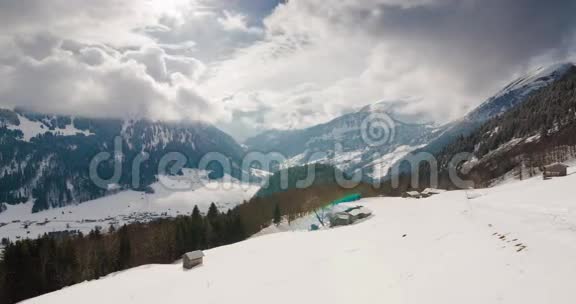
x=250 y=65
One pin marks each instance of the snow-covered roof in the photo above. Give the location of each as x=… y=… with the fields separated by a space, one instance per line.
x=362 y=210
x=342 y=215
x=555 y=166
x=432 y=191
x=194 y=255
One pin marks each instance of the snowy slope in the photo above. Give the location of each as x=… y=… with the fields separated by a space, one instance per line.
x=31 y=129
x=457 y=247
x=172 y=196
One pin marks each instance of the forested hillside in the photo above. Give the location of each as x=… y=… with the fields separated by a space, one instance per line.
x=46 y=158
x=301 y=177
x=511 y=96
x=535 y=133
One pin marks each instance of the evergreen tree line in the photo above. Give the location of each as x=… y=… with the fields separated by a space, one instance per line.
x=33 y=267
x=260 y=212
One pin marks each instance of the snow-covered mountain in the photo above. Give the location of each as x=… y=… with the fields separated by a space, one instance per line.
x=45 y=159
x=534 y=133
x=509 y=97
x=370 y=139
x=510 y=244
x=342 y=143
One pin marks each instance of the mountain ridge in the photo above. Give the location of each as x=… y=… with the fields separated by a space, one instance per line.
x=46 y=157
x=511 y=96
x=342 y=141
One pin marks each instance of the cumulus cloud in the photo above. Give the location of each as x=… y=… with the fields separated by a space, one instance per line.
x=207 y=34
x=96 y=82
x=253 y=65
x=94 y=58
x=444 y=56
x=91 y=20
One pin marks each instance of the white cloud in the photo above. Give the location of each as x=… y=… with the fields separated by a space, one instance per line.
x=96 y=58
x=95 y=83
x=444 y=56
x=104 y=21
x=236 y=22
x=307 y=62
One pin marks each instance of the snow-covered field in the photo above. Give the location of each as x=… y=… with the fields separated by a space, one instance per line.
x=515 y=243
x=172 y=196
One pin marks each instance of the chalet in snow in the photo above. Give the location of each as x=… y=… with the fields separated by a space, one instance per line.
x=426 y=193
x=341 y=219
x=350 y=216
x=555 y=170
x=192 y=259
x=412 y=194
x=431 y=191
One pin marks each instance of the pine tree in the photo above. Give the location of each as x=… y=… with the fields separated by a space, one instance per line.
x=277 y=215
x=212 y=211
x=124 y=252
x=196 y=216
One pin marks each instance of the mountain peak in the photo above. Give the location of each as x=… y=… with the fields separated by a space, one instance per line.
x=515 y=91
x=399 y=111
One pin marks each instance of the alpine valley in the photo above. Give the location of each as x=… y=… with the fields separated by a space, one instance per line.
x=55 y=212
x=44 y=158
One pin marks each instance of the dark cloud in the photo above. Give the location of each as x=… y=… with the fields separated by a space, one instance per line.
x=477 y=38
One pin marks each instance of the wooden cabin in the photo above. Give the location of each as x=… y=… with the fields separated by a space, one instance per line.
x=412 y=194
x=431 y=191
x=341 y=219
x=555 y=170
x=192 y=259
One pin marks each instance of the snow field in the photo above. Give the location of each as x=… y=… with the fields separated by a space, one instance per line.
x=443 y=249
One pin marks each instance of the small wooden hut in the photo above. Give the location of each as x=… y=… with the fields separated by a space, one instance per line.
x=192 y=259
x=555 y=170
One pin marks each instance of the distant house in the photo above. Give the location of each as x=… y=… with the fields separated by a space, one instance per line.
x=360 y=213
x=554 y=170
x=431 y=191
x=149 y=190
x=192 y=259
x=412 y=194
x=341 y=219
